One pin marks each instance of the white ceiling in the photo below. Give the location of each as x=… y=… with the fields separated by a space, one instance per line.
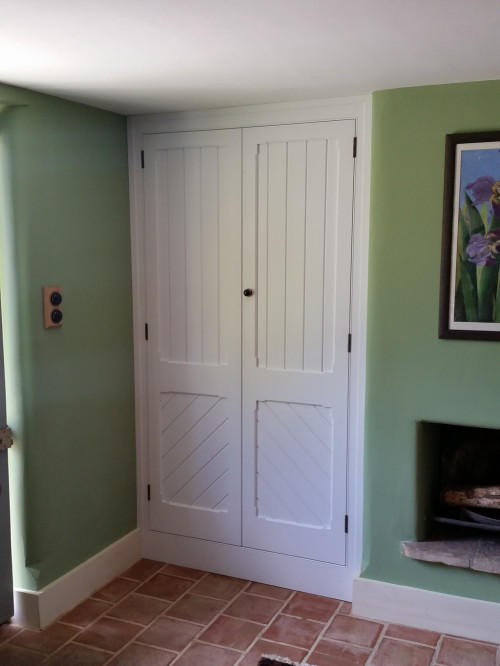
x=137 y=56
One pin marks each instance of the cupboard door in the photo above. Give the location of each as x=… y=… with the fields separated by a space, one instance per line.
x=297 y=229
x=192 y=184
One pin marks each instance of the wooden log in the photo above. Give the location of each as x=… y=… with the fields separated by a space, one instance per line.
x=486 y=496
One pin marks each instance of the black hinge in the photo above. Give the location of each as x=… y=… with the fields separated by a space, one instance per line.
x=146 y=331
x=149 y=493
x=355 y=146
x=349 y=343
x=142 y=159
x=346 y=524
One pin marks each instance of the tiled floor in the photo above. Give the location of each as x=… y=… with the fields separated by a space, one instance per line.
x=155 y=614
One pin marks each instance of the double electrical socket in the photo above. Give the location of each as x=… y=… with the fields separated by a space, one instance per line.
x=52 y=312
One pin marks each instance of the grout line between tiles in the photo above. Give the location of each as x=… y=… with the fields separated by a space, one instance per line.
x=90 y=647
x=376 y=646
x=436 y=651
x=397 y=639
x=323 y=631
x=267 y=625
x=205 y=626
x=60 y=647
x=112 y=654
x=213 y=620
x=224 y=647
x=136 y=638
x=33 y=652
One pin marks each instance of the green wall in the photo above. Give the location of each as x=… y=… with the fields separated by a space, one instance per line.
x=65 y=221
x=411 y=374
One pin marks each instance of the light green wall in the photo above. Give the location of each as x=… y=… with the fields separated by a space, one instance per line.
x=411 y=374
x=65 y=221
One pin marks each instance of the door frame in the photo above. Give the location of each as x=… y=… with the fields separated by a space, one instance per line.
x=159 y=546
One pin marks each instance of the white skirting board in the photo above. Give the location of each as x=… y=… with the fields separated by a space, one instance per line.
x=36 y=610
x=445 y=613
x=261 y=566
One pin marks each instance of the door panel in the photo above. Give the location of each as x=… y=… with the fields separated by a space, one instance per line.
x=297 y=226
x=193 y=234
x=294 y=463
x=193 y=445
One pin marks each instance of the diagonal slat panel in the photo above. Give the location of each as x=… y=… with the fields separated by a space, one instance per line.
x=181 y=435
x=216 y=495
x=294 y=463
x=196 y=490
x=181 y=479
x=310 y=422
x=290 y=425
x=194 y=451
x=172 y=407
x=269 y=502
x=292 y=488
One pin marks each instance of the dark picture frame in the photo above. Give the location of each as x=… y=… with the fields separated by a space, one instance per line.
x=470 y=247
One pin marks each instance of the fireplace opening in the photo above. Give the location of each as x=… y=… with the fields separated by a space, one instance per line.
x=458 y=496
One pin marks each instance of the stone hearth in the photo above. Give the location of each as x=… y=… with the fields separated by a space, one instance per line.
x=480 y=553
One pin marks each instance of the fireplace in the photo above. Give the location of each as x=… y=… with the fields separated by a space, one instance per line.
x=458 y=496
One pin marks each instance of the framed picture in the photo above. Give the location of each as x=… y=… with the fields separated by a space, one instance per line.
x=470 y=256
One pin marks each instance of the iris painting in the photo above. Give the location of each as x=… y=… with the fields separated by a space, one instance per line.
x=471 y=238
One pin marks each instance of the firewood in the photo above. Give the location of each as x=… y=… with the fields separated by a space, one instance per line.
x=488 y=496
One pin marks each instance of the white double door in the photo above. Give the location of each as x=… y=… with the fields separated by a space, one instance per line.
x=248 y=394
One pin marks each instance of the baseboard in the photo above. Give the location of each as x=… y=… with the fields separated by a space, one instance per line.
x=445 y=613
x=36 y=610
x=261 y=566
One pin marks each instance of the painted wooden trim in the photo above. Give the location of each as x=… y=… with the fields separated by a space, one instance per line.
x=139 y=305
x=36 y=610
x=357 y=108
x=260 y=566
x=359 y=310
x=424 y=609
x=251 y=116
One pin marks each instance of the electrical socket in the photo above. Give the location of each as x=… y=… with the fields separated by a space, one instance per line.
x=52 y=312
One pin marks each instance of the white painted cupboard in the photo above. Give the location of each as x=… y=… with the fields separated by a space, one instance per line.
x=247 y=239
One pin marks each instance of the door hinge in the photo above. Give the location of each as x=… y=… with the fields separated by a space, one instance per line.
x=149 y=493
x=346 y=524
x=349 y=343
x=142 y=159
x=146 y=331
x=355 y=146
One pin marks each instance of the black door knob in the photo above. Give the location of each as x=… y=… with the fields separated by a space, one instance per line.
x=248 y=292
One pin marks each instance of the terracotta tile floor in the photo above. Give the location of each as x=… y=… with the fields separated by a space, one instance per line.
x=156 y=614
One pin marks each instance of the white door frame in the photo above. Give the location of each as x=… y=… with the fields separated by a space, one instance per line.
x=268 y=567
